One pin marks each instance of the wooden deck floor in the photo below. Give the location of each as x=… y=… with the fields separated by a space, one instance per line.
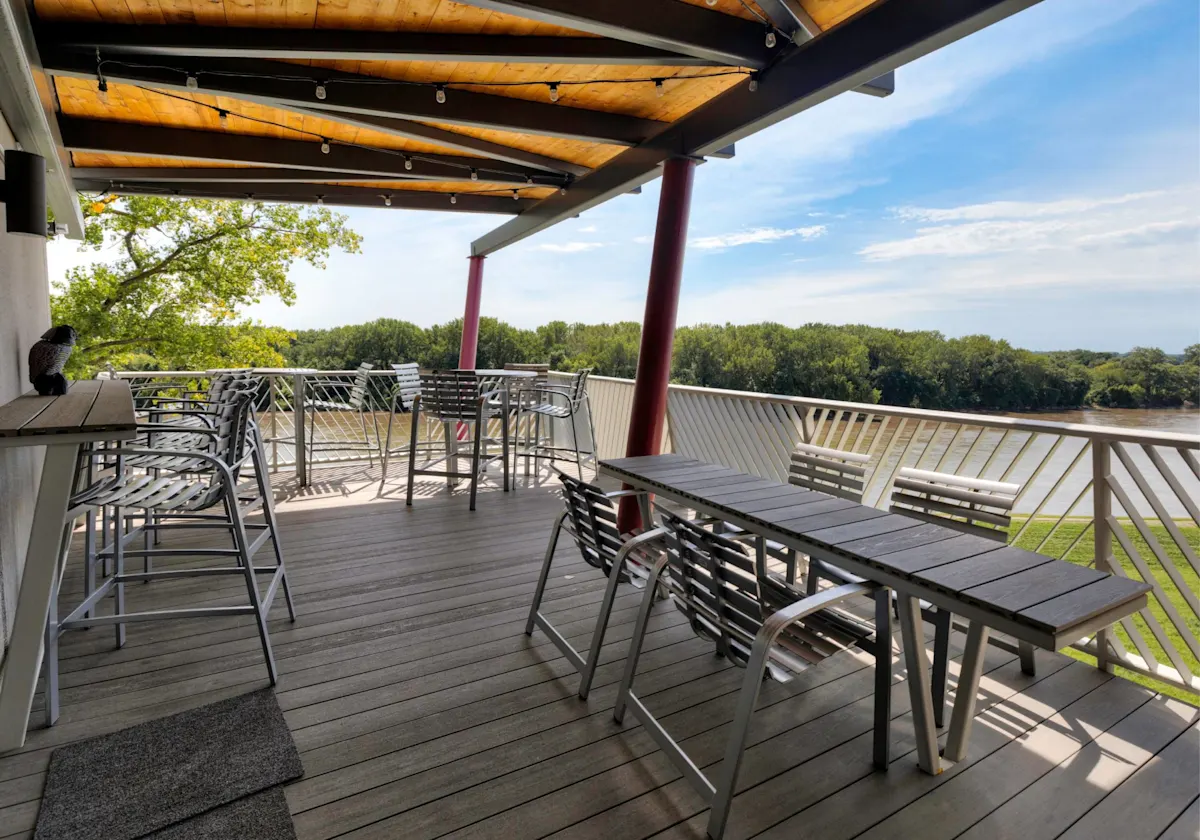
x=421 y=709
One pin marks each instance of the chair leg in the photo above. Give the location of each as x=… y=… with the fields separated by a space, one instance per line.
x=736 y=746
x=883 y=678
x=635 y=644
x=941 y=664
x=575 y=445
x=119 y=571
x=476 y=463
x=540 y=590
x=362 y=419
x=89 y=557
x=610 y=594
x=412 y=452
x=243 y=545
x=268 y=502
x=50 y=659
x=387 y=446
x=504 y=446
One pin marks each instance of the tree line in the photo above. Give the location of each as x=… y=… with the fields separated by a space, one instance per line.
x=921 y=369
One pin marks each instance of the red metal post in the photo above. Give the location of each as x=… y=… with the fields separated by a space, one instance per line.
x=658 y=326
x=470 y=332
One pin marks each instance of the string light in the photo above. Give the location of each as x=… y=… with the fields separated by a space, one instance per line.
x=324 y=146
x=192 y=82
x=753 y=82
x=553 y=91
x=659 y=88
x=320 y=92
x=529 y=180
x=407 y=163
x=454 y=198
x=102 y=90
x=320 y=199
x=711 y=2
x=440 y=94
x=223 y=116
x=562 y=191
x=770 y=39
x=474 y=174
x=516 y=194
x=387 y=201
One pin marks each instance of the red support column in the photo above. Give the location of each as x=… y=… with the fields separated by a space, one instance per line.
x=470 y=332
x=658 y=326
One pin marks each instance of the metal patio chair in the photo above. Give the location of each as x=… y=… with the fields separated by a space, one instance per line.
x=453 y=397
x=972 y=505
x=715 y=583
x=357 y=401
x=185 y=490
x=550 y=403
x=590 y=519
x=404 y=391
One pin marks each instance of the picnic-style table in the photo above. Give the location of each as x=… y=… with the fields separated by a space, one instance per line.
x=92 y=410
x=1034 y=598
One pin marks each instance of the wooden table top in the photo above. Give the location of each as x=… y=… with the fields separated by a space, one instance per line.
x=100 y=409
x=1052 y=597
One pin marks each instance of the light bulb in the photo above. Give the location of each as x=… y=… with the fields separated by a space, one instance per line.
x=320 y=92
x=770 y=39
x=223 y=116
x=753 y=83
x=192 y=82
x=562 y=191
x=529 y=180
x=711 y=2
x=440 y=94
x=553 y=92
x=474 y=174
x=102 y=90
x=320 y=199
x=659 y=88
x=324 y=147
x=408 y=163
x=454 y=198
x=516 y=195
x=387 y=201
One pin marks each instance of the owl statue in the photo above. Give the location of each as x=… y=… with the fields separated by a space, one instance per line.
x=47 y=359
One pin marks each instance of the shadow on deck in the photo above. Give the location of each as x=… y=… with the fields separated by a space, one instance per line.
x=421 y=709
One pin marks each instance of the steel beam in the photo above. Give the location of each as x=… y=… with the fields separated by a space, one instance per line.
x=226 y=174
x=84 y=135
x=882 y=38
x=309 y=194
x=27 y=104
x=663 y=24
x=357 y=45
x=281 y=85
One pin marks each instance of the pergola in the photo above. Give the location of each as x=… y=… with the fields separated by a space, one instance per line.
x=535 y=109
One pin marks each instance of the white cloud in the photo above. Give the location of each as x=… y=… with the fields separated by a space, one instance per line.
x=755 y=236
x=588 y=229
x=1071 y=224
x=568 y=247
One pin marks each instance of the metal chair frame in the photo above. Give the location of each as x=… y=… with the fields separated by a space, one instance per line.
x=590 y=519
x=555 y=402
x=974 y=506
x=357 y=402
x=452 y=397
x=406 y=389
x=183 y=488
x=718 y=586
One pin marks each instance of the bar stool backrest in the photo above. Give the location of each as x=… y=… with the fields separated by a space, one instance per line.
x=592 y=522
x=832 y=471
x=714 y=582
x=408 y=384
x=578 y=387
x=231 y=441
x=450 y=394
x=358 y=390
x=541 y=373
x=971 y=505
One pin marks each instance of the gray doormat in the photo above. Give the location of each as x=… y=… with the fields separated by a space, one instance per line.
x=261 y=816
x=145 y=778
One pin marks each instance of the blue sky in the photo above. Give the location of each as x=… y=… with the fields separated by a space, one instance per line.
x=1038 y=181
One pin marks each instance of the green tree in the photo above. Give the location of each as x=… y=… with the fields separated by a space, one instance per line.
x=171 y=296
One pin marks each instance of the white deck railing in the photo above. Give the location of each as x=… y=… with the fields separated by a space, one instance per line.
x=1146 y=515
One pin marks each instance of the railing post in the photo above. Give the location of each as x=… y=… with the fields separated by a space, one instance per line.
x=298 y=423
x=273 y=402
x=1101 y=511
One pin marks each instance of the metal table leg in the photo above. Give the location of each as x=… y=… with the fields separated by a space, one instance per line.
x=968 y=691
x=912 y=631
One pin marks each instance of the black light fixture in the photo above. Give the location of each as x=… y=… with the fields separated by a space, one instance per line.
x=23 y=191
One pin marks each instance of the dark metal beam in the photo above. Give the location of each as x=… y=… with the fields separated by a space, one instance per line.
x=663 y=24
x=84 y=135
x=449 y=139
x=357 y=45
x=283 y=85
x=309 y=194
x=226 y=174
x=879 y=40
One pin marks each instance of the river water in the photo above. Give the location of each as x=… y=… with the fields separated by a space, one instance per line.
x=1183 y=420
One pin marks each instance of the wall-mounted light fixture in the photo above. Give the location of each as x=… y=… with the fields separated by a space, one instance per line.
x=23 y=191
